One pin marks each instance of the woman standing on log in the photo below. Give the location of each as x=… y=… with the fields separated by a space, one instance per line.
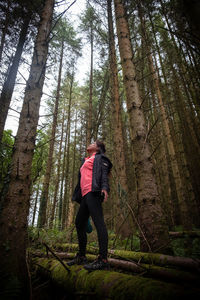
x=92 y=189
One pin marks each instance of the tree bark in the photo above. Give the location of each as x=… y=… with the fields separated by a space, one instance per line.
x=9 y=83
x=16 y=195
x=45 y=191
x=154 y=230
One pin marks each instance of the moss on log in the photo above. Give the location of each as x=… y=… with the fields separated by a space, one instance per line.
x=173 y=275
x=142 y=257
x=109 y=284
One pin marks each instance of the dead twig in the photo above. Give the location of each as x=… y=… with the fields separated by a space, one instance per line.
x=60 y=260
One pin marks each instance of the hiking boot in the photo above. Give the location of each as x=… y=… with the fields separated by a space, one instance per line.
x=97 y=264
x=79 y=260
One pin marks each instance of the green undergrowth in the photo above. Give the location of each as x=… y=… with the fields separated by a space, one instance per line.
x=187 y=246
x=54 y=236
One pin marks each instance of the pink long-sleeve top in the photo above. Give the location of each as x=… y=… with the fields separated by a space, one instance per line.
x=86 y=175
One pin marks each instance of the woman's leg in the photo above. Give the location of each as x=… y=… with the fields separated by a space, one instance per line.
x=94 y=204
x=81 y=225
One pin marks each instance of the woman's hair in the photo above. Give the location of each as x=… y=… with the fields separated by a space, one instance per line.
x=101 y=146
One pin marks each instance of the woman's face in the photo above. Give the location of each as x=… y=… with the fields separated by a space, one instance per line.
x=92 y=147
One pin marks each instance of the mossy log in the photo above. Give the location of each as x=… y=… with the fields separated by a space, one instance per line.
x=183 y=234
x=109 y=284
x=142 y=257
x=146 y=270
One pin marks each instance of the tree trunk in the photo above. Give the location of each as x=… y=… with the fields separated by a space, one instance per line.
x=65 y=202
x=121 y=183
x=35 y=204
x=16 y=195
x=89 y=120
x=62 y=180
x=45 y=190
x=154 y=231
x=170 y=190
x=100 y=112
x=9 y=83
x=71 y=204
x=58 y=175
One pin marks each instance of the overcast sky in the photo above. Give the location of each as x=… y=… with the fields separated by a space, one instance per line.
x=83 y=66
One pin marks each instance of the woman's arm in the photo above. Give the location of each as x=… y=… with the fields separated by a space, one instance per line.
x=104 y=179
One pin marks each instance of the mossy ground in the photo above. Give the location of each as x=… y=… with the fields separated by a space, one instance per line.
x=97 y=284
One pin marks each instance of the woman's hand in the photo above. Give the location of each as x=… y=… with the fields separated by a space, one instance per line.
x=106 y=195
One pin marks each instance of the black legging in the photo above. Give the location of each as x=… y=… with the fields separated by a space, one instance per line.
x=91 y=205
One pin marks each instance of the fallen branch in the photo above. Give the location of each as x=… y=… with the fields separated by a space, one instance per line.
x=58 y=258
x=182 y=234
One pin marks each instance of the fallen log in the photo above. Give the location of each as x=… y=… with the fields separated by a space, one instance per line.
x=142 y=257
x=109 y=284
x=182 y=234
x=146 y=270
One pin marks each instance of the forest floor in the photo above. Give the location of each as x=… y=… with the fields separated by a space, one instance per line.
x=64 y=243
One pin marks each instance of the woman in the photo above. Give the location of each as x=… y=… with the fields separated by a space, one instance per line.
x=92 y=189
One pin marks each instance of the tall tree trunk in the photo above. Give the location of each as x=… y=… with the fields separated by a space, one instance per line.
x=9 y=83
x=74 y=152
x=99 y=114
x=16 y=195
x=35 y=204
x=70 y=215
x=125 y=194
x=45 y=190
x=89 y=120
x=58 y=175
x=154 y=230
x=62 y=181
x=65 y=202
